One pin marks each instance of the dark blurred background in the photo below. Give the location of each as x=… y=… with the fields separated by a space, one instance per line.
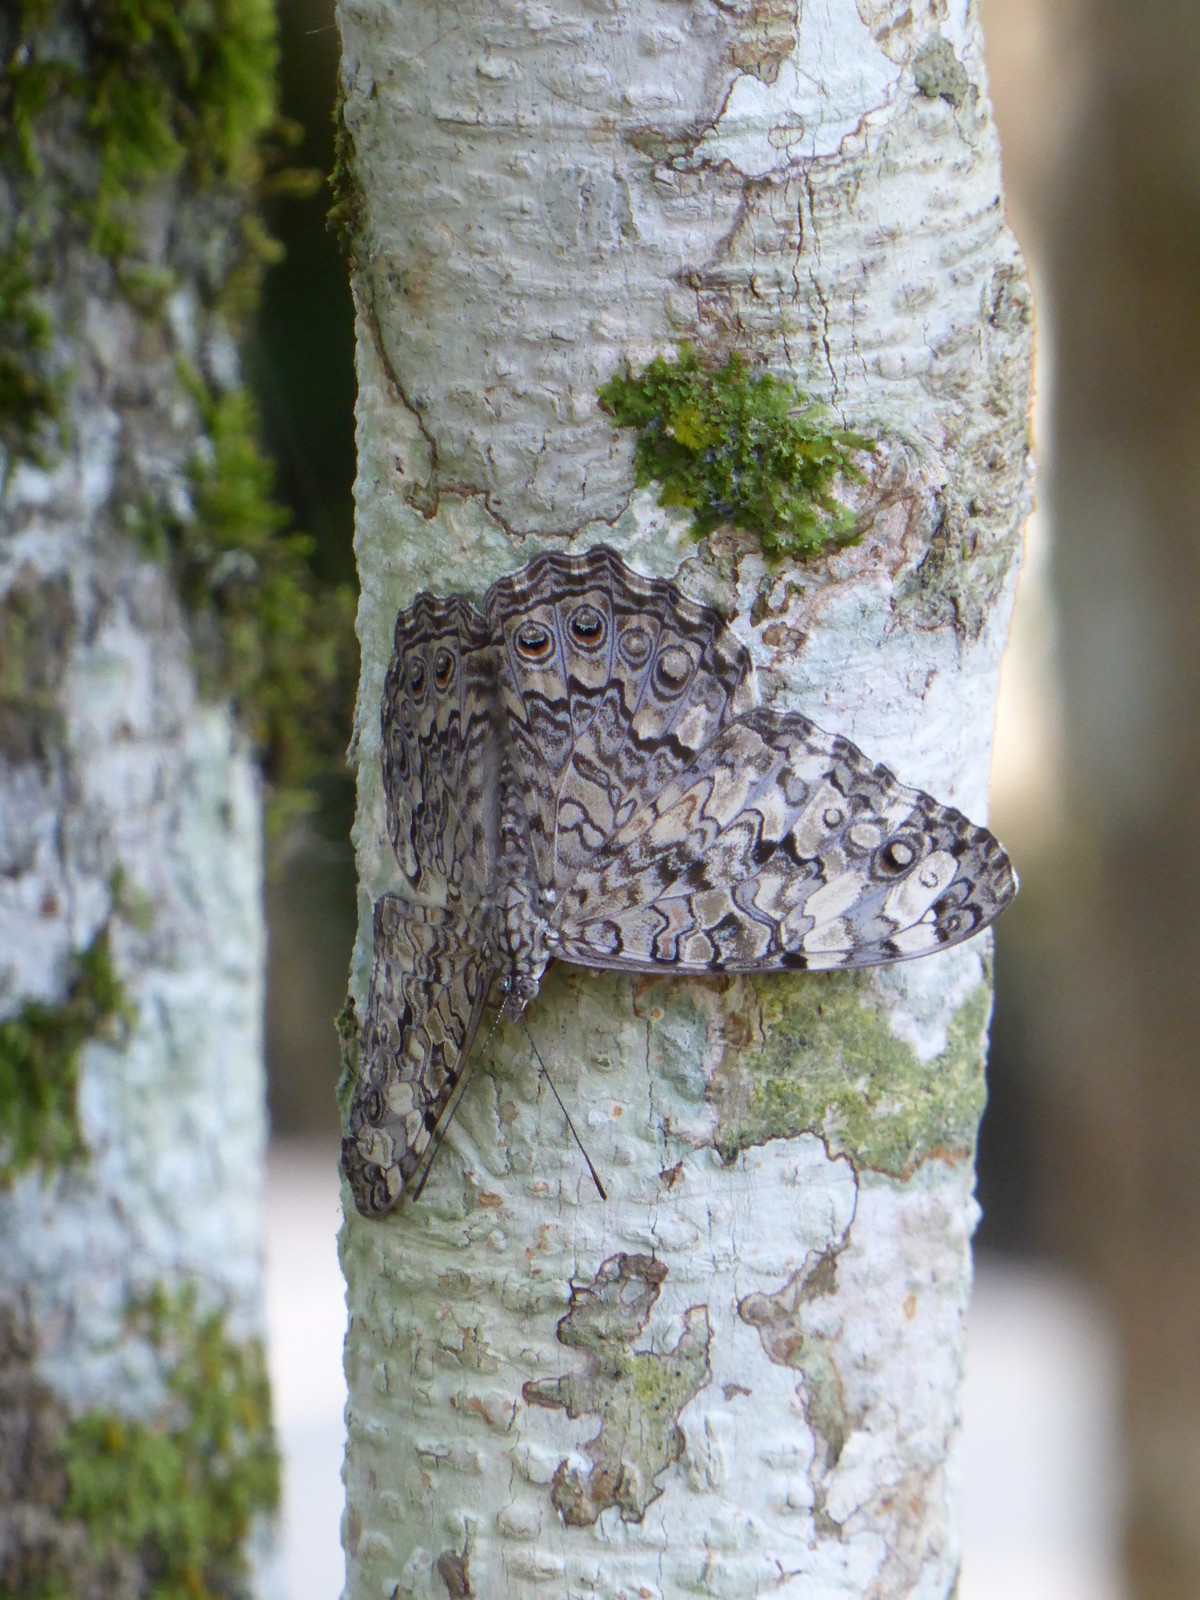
x=1088 y=1160
x=302 y=367
x=1098 y=1036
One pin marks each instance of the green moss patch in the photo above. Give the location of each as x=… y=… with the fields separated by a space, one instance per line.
x=160 y=85
x=829 y=1063
x=31 y=398
x=180 y=1491
x=347 y=210
x=739 y=446
x=108 y=1507
x=266 y=636
x=39 y=1063
x=37 y=625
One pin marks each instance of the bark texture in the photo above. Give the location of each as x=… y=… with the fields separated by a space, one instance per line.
x=739 y=1376
x=131 y=932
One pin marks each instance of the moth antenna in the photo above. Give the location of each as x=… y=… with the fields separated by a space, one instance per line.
x=439 y=1133
x=447 y=1116
x=600 y=1190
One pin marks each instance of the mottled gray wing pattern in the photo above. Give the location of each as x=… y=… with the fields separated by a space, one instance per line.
x=439 y=749
x=435 y=957
x=679 y=828
x=582 y=770
x=612 y=684
x=784 y=847
x=428 y=990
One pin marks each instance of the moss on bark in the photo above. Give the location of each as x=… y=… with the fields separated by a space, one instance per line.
x=105 y=1506
x=737 y=445
x=827 y=1061
x=112 y=109
x=40 y=1047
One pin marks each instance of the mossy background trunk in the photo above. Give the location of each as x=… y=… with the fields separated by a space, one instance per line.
x=740 y=1375
x=154 y=618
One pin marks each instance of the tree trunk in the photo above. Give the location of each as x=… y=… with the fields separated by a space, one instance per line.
x=1114 y=978
x=136 y=1452
x=739 y=1375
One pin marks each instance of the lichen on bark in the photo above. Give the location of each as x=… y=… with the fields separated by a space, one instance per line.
x=817 y=1054
x=937 y=71
x=638 y=1395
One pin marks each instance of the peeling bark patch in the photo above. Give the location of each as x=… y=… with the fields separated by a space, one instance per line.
x=822 y=1058
x=638 y=1395
x=939 y=73
x=664 y=148
x=767 y=37
x=454 y=1569
x=37 y=623
x=780 y=1320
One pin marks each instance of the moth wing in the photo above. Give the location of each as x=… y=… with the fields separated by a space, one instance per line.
x=610 y=684
x=782 y=847
x=439 y=752
x=430 y=982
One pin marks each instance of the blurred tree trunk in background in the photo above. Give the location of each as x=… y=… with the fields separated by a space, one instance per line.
x=1120 y=996
x=156 y=624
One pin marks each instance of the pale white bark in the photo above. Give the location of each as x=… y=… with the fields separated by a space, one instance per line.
x=140 y=811
x=549 y=191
